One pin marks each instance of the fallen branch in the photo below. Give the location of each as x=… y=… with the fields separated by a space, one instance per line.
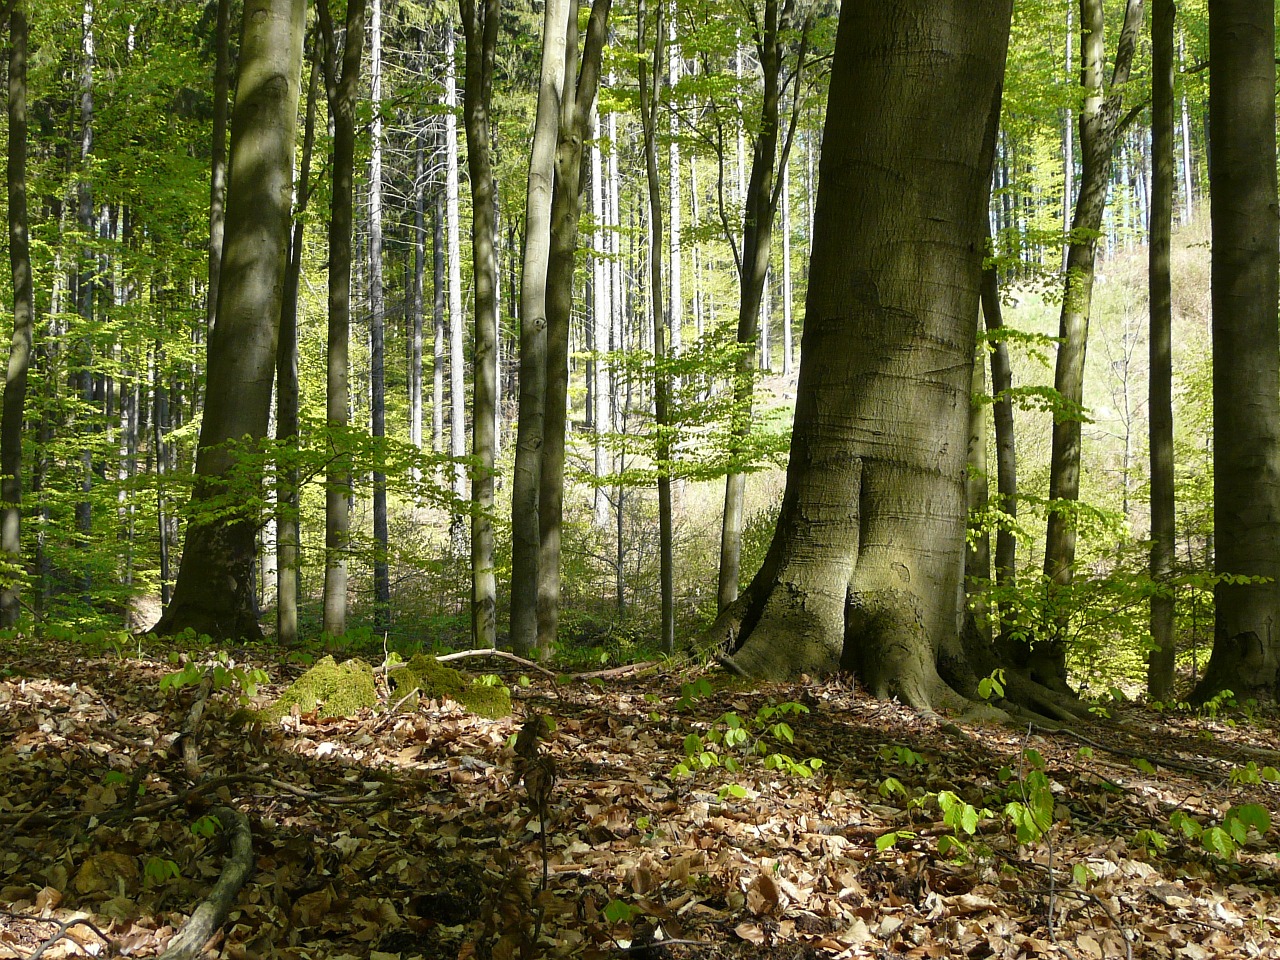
x=208 y=917
x=186 y=742
x=463 y=654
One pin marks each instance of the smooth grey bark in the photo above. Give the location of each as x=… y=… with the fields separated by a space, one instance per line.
x=1068 y=146
x=87 y=280
x=601 y=289
x=1100 y=127
x=218 y=156
x=787 y=292
x=377 y=331
x=215 y=592
x=1245 y=235
x=438 y=299
x=578 y=96
x=342 y=76
x=417 y=300
x=675 y=306
x=530 y=425
x=650 y=83
x=480 y=23
x=759 y=209
x=453 y=231
x=864 y=568
x=288 y=500
x=1160 y=662
x=977 y=555
x=1006 y=555
x=15 y=384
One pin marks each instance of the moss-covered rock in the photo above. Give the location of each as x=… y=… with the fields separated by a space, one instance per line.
x=334 y=689
x=429 y=677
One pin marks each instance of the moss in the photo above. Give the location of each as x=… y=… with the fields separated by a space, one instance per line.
x=341 y=689
x=427 y=675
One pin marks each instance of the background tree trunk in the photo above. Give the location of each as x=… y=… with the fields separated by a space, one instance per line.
x=218 y=156
x=377 y=331
x=215 y=591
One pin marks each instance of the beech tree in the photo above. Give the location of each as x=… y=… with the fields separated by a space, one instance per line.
x=215 y=590
x=864 y=568
x=1246 y=349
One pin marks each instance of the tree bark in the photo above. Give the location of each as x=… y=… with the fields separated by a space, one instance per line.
x=215 y=591
x=864 y=568
x=1099 y=130
x=1245 y=235
x=457 y=401
x=566 y=205
x=480 y=27
x=1160 y=663
x=218 y=156
x=377 y=332
x=15 y=384
x=341 y=85
x=525 y=538
x=1006 y=556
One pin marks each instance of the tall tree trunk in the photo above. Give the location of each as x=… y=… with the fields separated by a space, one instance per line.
x=566 y=204
x=865 y=565
x=453 y=230
x=288 y=500
x=480 y=27
x=438 y=298
x=417 y=301
x=1006 y=557
x=15 y=384
x=218 y=156
x=377 y=332
x=650 y=79
x=675 y=309
x=760 y=206
x=1099 y=130
x=600 y=320
x=787 y=346
x=977 y=556
x=525 y=539
x=1245 y=236
x=342 y=76
x=1068 y=146
x=86 y=285
x=215 y=592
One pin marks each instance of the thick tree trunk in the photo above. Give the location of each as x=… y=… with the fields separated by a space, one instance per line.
x=480 y=27
x=377 y=332
x=1246 y=349
x=215 y=592
x=525 y=538
x=15 y=384
x=1160 y=663
x=865 y=565
x=1099 y=130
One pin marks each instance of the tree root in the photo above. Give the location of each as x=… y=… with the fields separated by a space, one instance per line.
x=208 y=917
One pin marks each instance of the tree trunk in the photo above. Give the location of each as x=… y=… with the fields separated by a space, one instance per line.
x=417 y=304
x=15 y=389
x=525 y=539
x=215 y=592
x=288 y=500
x=377 y=333
x=218 y=156
x=865 y=565
x=480 y=27
x=787 y=345
x=600 y=320
x=453 y=230
x=1099 y=130
x=1245 y=235
x=1006 y=557
x=438 y=297
x=675 y=309
x=566 y=204
x=341 y=85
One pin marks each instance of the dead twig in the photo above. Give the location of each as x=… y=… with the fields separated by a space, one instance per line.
x=63 y=927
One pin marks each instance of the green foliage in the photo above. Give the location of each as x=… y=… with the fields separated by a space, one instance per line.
x=732 y=741
x=158 y=871
x=226 y=674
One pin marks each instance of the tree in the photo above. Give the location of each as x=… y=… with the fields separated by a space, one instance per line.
x=480 y=28
x=1100 y=127
x=214 y=593
x=15 y=384
x=340 y=85
x=377 y=331
x=865 y=563
x=1160 y=403
x=1245 y=236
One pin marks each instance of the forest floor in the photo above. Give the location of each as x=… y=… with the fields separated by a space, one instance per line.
x=408 y=835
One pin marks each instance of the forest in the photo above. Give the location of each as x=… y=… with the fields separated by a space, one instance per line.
x=673 y=478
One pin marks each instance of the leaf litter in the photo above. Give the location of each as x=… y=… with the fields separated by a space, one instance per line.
x=422 y=834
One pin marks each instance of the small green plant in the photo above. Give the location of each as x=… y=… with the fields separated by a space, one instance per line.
x=227 y=675
x=1223 y=841
x=693 y=691
x=731 y=740
x=159 y=871
x=1251 y=774
x=992 y=686
x=205 y=827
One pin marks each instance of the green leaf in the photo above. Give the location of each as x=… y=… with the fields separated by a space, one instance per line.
x=1145 y=766
x=618 y=911
x=886 y=840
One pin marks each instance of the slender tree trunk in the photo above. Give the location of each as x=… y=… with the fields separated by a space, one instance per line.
x=15 y=389
x=438 y=297
x=675 y=310
x=1068 y=146
x=1006 y=557
x=600 y=320
x=566 y=203
x=341 y=82
x=288 y=500
x=530 y=436
x=977 y=555
x=1188 y=171
x=86 y=284
x=1245 y=236
x=218 y=156
x=417 y=303
x=215 y=591
x=453 y=231
x=787 y=348
x=480 y=27
x=377 y=332
x=650 y=88
x=1099 y=130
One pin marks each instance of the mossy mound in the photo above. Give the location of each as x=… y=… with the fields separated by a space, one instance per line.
x=429 y=677
x=334 y=689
